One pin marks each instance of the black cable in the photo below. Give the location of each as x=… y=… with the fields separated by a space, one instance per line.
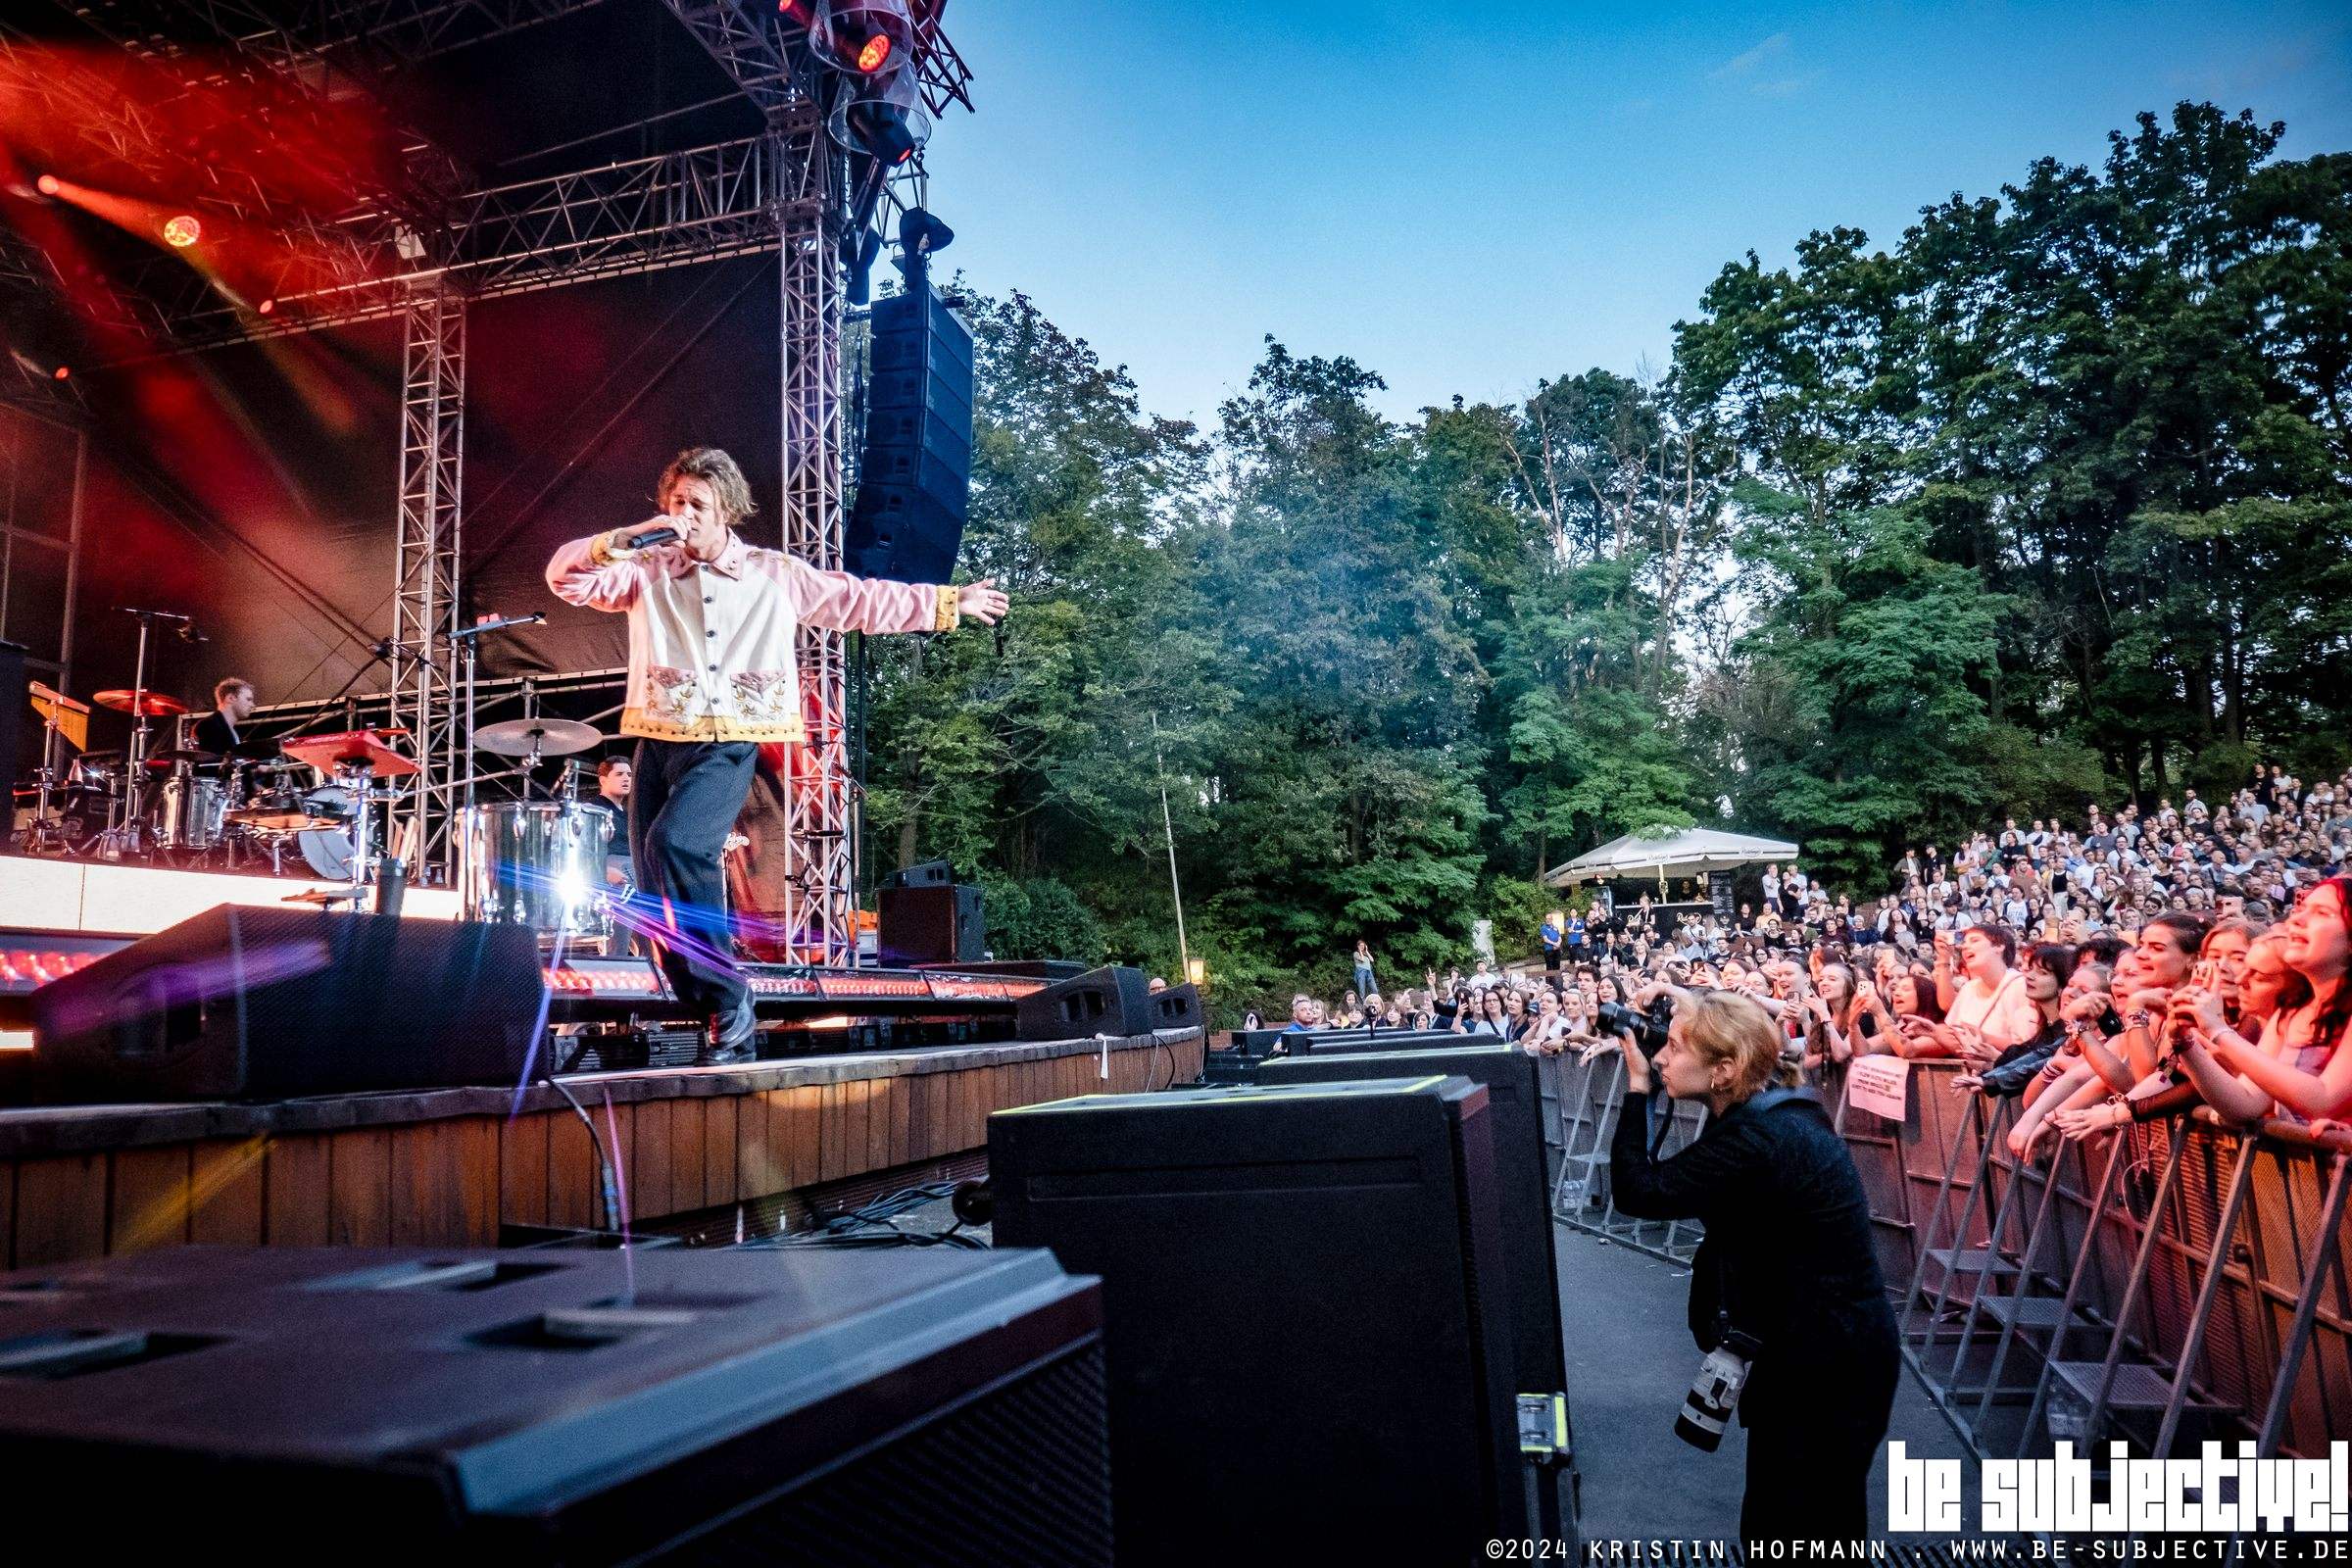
x=377 y=655
x=872 y=1224
x=610 y=1195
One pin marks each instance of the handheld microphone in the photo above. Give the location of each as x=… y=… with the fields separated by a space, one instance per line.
x=650 y=537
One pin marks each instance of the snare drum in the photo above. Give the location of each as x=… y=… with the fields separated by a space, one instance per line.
x=539 y=863
x=290 y=811
x=192 y=813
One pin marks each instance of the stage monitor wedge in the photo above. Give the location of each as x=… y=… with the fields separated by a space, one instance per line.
x=1515 y=1103
x=1308 y=1333
x=259 y=1004
x=674 y=1406
x=1114 y=1000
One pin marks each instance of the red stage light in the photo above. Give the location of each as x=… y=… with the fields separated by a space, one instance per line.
x=183 y=231
x=876 y=52
x=47 y=185
x=797 y=10
x=61 y=373
x=265 y=308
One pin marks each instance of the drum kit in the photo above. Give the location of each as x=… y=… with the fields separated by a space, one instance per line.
x=180 y=806
x=538 y=862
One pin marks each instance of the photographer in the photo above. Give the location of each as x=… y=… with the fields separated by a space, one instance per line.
x=1787 y=1263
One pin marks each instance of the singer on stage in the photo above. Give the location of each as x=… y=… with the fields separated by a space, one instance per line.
x=711 y=675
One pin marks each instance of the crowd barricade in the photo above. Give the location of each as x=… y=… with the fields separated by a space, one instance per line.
x=1584 y=1101
x=2168 y=1283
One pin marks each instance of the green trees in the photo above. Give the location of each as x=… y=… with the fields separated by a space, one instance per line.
x=2103 y=417
x=2050 y=499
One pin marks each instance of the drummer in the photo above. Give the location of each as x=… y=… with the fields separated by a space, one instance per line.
x=232 y=705
x=612 y=798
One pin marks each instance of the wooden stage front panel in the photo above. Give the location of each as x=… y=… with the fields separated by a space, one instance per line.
x=447 y=1167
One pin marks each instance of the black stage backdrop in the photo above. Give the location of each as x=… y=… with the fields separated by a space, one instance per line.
x=253 y=488
x=578 y=397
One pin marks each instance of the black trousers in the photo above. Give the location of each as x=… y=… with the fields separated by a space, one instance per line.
x=1809 y=1455
x=683 y=802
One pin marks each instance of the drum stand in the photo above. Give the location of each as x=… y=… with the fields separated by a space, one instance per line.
x=355 y=778
x=46 y=837
x=127 y=834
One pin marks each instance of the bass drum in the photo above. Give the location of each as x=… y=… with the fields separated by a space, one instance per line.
x=328 y=850
x=539 y=863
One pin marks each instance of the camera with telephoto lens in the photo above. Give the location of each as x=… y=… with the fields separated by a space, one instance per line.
x=1648 y=1029
x=1715 y=1392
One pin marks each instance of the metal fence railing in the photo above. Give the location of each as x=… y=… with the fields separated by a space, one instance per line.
x=2168 y=1283
x=2162 y=1285
x=1583 y=1104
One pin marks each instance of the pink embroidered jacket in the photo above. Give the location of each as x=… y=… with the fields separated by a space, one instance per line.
x=710 y=647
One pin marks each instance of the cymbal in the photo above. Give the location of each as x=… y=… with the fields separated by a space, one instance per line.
x=155 y=705
x=184 y=754
x=548 y=737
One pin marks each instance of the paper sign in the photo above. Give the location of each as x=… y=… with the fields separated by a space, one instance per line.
x=1880 y=1085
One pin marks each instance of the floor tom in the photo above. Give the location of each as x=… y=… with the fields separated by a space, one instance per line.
x=539 y=863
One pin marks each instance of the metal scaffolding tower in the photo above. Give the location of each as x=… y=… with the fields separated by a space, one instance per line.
x=819 y=899
x=425 y=564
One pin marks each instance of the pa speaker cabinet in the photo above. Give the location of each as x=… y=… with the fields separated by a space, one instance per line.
x=19 y=750
x=1298 y=1042
x=930 y=922
x=923 y=874
x=1514 y=1101
x=1177 y=1007
x=1304 y=1305
x=1110 y=1000
x=246 y=1004
x=674 y=1406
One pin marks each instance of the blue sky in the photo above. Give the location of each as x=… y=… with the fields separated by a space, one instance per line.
x=1467 y=198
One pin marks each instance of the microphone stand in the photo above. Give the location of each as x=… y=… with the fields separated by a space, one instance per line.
x=135 y=788
x=462 y=644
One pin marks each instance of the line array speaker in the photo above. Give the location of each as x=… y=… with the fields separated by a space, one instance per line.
x=914 y=471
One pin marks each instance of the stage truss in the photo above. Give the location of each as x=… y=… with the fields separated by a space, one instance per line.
x=423 y=251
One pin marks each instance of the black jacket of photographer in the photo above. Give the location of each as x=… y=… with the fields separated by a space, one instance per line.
x=1787 y=1254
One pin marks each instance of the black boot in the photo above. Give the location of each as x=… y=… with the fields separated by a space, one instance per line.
x=731 y=1038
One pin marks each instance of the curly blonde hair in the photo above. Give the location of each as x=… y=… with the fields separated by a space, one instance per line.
x=720 y=473
x=1723 y=1026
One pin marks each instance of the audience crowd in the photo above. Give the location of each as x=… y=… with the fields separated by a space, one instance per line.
x=2127 y=968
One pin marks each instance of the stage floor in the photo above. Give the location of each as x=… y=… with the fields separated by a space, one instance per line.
x=37 y=893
